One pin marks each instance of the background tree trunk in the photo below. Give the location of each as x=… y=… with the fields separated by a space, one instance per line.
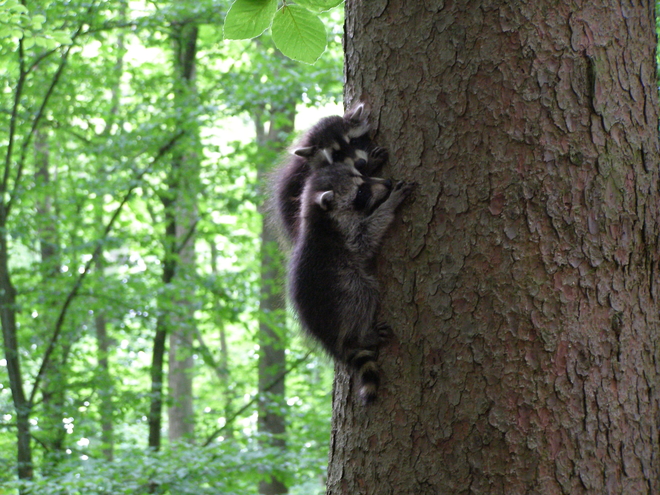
x=10 y=344
x=8 y=307
x=186 y=175
x=54 y=384
x=272 y=325
x=522 y=277
x=221 y=367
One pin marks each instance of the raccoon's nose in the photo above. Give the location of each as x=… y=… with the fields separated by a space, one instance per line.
x=360 y=164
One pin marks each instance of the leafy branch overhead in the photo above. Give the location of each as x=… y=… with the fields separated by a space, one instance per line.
x=17 y=23
x=297 y=30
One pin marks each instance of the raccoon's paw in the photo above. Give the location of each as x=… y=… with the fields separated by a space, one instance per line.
x=384 y=332
x=405 y=187
x=401 y=191
x=377 y=158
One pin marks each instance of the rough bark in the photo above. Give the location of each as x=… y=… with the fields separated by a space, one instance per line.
x=521 y=280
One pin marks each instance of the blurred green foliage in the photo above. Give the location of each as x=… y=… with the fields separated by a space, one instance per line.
x=89 y=124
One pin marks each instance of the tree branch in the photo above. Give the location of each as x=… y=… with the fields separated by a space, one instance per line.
x=35 y=123
x=12 y=126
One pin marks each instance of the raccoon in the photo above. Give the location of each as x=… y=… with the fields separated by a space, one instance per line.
x=340 y=139
x=331 y=278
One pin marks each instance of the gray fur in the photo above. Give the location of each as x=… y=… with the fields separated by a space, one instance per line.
x=332 y=284
x=339 y=139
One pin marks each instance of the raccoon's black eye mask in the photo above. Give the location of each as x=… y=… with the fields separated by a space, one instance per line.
x=360 y=142
x=362 y=197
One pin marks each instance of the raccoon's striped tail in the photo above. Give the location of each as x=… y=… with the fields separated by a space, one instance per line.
x=364 y=362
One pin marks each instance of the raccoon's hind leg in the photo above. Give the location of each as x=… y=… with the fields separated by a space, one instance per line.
x=364 y=361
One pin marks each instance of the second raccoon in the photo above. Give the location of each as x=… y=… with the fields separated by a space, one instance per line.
x=332 y=284
x=340 y=139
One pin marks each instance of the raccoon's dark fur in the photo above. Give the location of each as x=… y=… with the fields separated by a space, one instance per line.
x=331 y=271
x=340 y=139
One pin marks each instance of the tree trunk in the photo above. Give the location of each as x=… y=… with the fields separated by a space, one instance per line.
x=222 y=366
x=185 y=172
x=272 y=358
x=521 y=280
x=106 y=386
x=272 y=325
x=54 y=384
x=176 y=309
x=103 y=341
x=160 y=338
x=10 y=344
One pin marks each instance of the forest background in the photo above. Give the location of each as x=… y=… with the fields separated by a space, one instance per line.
x=133 y=260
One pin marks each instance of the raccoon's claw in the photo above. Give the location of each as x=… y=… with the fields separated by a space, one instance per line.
x=401 y=191
x=379 y=156
x=384 y=332
x=406 y=187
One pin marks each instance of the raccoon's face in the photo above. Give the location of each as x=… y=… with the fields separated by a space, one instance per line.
x=352 y=148
x=340 y=139
x=343 y=191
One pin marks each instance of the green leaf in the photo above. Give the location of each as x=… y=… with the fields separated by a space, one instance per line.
x=9 y=30
x=299 y=34
x=15 y=6
x=61 y=37
x=319 y=5
x=248 y=18
x=47 y=43
x=37 y=21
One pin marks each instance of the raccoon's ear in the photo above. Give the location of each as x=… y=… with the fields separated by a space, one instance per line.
x=357 y=114
x=323 y=199
x=306 y=152
x=359 y=125
x=327 y=153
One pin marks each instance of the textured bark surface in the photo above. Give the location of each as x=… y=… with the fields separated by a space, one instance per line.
x=521 y=280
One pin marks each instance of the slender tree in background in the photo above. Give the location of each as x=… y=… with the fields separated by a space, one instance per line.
x=53 y=387
x=185 y=184
x=15 y=159
x=272 y=326
x=221 y=365
x=522 y=279
x=106 y=382
x=176 y=308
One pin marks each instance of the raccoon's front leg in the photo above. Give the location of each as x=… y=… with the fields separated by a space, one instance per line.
x=374 y=161
x=373 y=228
